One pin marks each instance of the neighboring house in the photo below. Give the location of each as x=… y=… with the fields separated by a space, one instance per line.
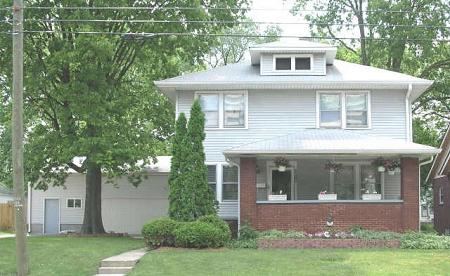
x=125 y=208
x=330 y=119
x=439 y=175
x=6 y=195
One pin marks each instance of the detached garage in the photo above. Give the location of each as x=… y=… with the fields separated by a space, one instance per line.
x=125 y=208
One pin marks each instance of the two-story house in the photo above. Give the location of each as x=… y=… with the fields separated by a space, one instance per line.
x=345 y=131
x=294 y=140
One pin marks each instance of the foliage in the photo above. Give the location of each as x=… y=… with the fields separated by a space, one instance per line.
x=246 y=232
x=197 y=197
x=277 y=234
x=415 y=240
x=217 y=222
x=427 y=228
x=232 y=49
x=198 y=234
x=243 y=244
x=281 y=161
x=159 y=232
x=374 y=235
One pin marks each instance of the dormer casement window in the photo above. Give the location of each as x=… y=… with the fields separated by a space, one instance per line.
x=292 y=63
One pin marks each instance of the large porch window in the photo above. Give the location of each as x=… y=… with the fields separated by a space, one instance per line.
x=311 y=179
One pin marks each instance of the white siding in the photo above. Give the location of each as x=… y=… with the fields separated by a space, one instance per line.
x=318 y=66
x=6 y=198
x=124 y=208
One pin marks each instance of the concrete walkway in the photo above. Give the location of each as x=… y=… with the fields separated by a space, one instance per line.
x=121 y=264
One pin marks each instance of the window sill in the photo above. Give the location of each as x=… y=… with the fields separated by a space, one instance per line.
x=226 y=128
x=328 y=201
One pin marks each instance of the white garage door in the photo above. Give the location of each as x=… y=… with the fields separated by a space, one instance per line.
x=126 y=208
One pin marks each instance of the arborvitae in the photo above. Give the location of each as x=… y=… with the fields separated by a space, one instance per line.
x=176 y=168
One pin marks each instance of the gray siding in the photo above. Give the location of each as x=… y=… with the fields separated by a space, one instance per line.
x=318 y=68
x=279 y=112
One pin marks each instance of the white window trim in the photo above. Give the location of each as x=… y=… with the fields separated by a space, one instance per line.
x=441 y=196
x=343 y=94
x=293 y=70
x=225 y=164
x=221 y=107
x=67 y=203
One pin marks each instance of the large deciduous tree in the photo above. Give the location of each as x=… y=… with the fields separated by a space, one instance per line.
x=92 y=95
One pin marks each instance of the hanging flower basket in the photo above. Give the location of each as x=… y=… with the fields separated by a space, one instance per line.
x=333 y=167
x=282 y=163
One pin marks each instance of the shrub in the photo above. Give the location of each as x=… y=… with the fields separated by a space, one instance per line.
x=247 y=232
x=216 y=221
x=159 y=232
x=375 y=235
x=427 y=228
x=199 y=234
x=415 y=240
x=243 y=243
x=276 y=234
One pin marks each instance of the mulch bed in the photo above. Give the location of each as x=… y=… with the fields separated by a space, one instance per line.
x=327 y=243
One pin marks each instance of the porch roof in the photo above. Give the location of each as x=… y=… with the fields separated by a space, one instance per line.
x=331 y=141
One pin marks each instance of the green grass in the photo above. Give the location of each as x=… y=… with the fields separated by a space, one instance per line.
x=295 y=262
x=65 y=255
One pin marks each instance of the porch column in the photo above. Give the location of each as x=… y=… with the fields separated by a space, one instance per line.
x=410 y=193
x=248 y=191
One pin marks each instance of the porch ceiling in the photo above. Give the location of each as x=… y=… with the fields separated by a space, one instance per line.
x=331 y=141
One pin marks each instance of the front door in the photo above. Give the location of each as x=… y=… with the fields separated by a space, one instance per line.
x=51 y=216
x=282 y=183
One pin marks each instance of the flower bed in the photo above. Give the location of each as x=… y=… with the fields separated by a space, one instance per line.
x=265 y=243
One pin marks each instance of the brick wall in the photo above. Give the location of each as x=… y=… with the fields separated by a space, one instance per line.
x=311 y=217
x=441 y=211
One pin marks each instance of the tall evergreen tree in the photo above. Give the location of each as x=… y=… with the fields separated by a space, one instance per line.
x=202 y=201
x=176 y=166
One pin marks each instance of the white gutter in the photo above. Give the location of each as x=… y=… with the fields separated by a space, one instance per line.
x=29 y=207
x=408 y=114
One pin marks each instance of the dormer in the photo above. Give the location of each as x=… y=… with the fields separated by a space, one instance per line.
x=293 y=58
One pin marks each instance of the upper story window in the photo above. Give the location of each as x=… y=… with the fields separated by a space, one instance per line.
x=292 y=63
x=343 y=109
x=224 y=109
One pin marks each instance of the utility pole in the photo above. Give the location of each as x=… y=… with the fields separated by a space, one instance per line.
x=17 y=139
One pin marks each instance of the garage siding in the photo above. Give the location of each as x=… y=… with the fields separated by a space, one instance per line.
x=125 y=208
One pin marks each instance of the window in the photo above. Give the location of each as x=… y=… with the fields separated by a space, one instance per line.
x=224 y=109
x=292 y=63
x=343 y=109
x=283 y=63
x=210 y=106
x=230 y=179
x=302 y=63
x=441 y=195
x=356 y=110
x=212 y=180
x=234 y=110
x=330 y=110
x=73 y=203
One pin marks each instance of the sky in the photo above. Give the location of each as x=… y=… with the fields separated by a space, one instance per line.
x=278 y=11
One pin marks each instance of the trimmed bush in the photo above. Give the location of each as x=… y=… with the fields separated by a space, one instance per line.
x=247 y=232
x=159 y=232
x=200 y=234
x=415 y=240
x=217 y=222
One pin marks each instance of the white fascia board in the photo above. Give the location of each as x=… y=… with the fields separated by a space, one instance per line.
x=343 y=151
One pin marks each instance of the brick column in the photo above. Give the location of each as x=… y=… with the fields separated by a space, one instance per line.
x=410 y=193
x=248 y=191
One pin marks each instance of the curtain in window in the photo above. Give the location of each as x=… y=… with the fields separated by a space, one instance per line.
x=234 y=110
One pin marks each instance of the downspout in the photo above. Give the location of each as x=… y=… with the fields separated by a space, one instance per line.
x=29 y=207
x=420 y=166
x=408 y=114
x=239 y=192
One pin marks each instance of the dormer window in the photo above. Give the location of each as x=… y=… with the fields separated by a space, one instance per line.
x=292 y=63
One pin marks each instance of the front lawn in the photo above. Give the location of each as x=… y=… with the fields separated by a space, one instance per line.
x=65 y=255
x=294 y=262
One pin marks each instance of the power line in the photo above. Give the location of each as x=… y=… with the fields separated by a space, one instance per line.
x=132 y=21
x=130 y=35
x=217 y=8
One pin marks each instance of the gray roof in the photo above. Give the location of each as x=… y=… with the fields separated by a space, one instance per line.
x=331 y=141
x=340 y=75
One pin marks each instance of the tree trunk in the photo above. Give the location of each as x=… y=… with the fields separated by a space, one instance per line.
x=93 y=222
